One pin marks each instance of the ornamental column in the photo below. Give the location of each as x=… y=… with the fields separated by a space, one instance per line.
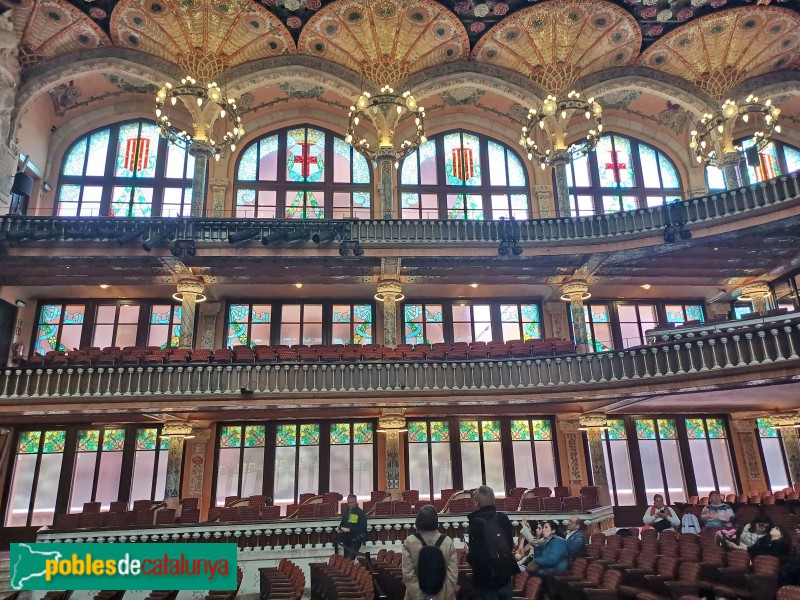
x=385 y=160
x=559 y=162
x=189 y=294
x=202 y=152
x=791 y=445
x=389 y=293
x=208 y=325
x=748 y=454
x=728 y=163
x=575 y=292
x=593 y=424
x=391 y=425
x=177 y=432
x=9 y=80
x=218 y=189
x=758 y=293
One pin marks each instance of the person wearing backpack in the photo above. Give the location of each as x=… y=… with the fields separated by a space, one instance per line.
x=491 y=544
x=430 y=561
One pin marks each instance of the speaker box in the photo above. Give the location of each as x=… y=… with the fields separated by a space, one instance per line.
x=23 y=185
x=751 y=154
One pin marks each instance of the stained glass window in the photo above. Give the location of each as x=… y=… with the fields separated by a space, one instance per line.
x=302 y=173
x=617 y=462
x=125 y=170
x=422 y=324
x=621 y=174
x=461 y=175
x=597 y=320
x=362 y=433
x=472 y=322
x=645 y=429
x=634 y=321
x=710 y=454
x=774 y=160
x=164 y=325
x=340 y=433
x=149 y=465
x=417 y=432
x=230 y=436
x=429 y=463
x=60 y=328
x=351 y=459
x=774 y=453
x=34 y=479
x=352 y=324
x=481 y=455
x=115 y=325
x=533 y=452
x=662 y=468
x=98 y=467
x=249 y=324
x=681 y=313
x=615 y=431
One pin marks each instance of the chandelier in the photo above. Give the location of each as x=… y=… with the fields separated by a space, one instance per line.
x=385 y=110
x=713 y=139
x=215 y=118
x=553 y=117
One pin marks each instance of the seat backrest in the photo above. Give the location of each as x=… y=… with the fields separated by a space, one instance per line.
x=533 y=587
x=789 y=592
x=611 y=579
x=766 y=566
x=668 y=566
x=689 y=571
x=739 y=559
x=594 y=574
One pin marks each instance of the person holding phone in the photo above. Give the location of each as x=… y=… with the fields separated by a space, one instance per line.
x=660 y=516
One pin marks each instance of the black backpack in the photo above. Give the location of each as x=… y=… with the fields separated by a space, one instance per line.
x=501 y=563
x=431 y=567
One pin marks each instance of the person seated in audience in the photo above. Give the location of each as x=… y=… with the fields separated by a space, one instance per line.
x=750 y=534
x=716 y=514
x=660 y=516
x=532 y=541
x=777 y=543
x=427 y=524
x=576 y=541
x=554 y=554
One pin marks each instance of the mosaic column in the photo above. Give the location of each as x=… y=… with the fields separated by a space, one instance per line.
x=177 y=431
x=197 y=462
x=389 y=293
x=202 y=152
x=568 y=429
x=728 y=163
x=208 y=324
x=386 y=159
x=392 y=425
x=9 y=80
x=594 y=424
x=559 y=162
x=748 y=454
x=759 y=295
x=218 y=189
x=791 y=444
x=190 y=292
x=575 y=292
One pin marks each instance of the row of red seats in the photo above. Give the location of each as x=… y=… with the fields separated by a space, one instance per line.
x=144 y=513
x=340 y=578
x=754 y=497
x=284 y=582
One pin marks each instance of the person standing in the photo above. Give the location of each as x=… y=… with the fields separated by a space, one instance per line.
x=660 y=516
x=353 y=528
x=430 y=560
x=491 y=543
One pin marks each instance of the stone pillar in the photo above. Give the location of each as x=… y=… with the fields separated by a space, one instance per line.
x=573 y=467
x=177 y=431
x=208 y=325
x=745 y=446
x=196 y=463
x=559 y=162
x=190 y=293
x=391 y=424
x=558 y=322
x=718 y=310
x=9 y=80
x=593 y=424
x=386 y=159
x=575 y=292
x=389 y=293
x=202 y=152
x=218 y=189
x=544 y=201
x=791 y=444
x=759 y=294
x=728 y=163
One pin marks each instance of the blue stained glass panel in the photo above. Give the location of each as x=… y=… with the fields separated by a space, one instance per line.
x=462 y=159
x=305 y=205
x=247 y=164
x=465 y=206
x=362 y=199
x=427 y=164
x=497 y=164
x=137 y=151
x=792 y=157
x=268 y=161
x=237 y=324
x=516 y=172
x=410 y=200
x=305 y=150
x=341 y=160
x=694 y=312
x=768 y=165
x=669 y=174
x=614 y=162
x=647 y=156
x=740 y=312
x=98 y=152
x=715 y=178
x=76 y=159
x=361 y=170
x=131 y=202
x=409 y=171
x=68 y=198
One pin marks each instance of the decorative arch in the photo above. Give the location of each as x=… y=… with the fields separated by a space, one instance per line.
x=462 y=175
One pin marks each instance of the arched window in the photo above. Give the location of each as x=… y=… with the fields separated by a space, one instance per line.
x=621 y=174
x=462 y=175
x=302 y=173
x=125 y=170
x=774 y=160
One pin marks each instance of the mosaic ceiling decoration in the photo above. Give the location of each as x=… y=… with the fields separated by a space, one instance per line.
x=719 y=51
x=204 y=36
x=556 y=43
x=385 y=40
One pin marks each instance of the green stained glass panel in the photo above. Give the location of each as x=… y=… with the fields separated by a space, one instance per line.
x=520 y=430
x=305 y=161
x=340 y=433
x=694 y=312
x=542 y=430
x=88 y=440
x=491 y=431
x=54 y=441
x=468 y=431
x=286 y=435
x=645 y=430
x=440 y=431
x=254 y=436
x=230 y=436
x=28 y=442
x=766 y=428
x=666 y=429
x=113 y=440
x=417 y=431
x=362 y=433
x=616 y=429
x=695 y=430
x=716 y=428
x=146 y=439
x=309 y=435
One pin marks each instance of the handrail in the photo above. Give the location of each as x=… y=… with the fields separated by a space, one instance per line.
x=764 y=344
x=209 y=230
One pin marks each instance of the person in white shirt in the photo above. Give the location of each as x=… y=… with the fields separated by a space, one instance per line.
x=660 y=516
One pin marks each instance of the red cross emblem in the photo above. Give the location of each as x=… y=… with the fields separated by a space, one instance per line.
x=305 y=159
x=615 y=165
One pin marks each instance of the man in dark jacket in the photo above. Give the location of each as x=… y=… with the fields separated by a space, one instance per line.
x=491 y=543
x=353 y=528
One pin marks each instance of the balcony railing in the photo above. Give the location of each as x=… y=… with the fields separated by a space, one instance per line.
x=761 y=196
x=765 y=344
